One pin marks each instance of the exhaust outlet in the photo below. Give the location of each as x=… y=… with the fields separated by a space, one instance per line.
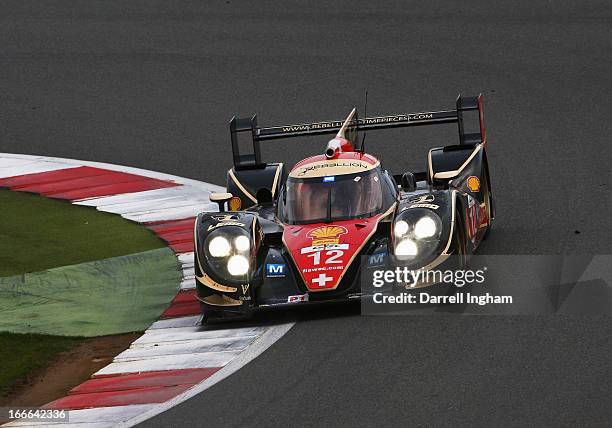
x=330 y=152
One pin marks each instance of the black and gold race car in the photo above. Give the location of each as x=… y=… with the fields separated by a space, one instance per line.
x=305 y=236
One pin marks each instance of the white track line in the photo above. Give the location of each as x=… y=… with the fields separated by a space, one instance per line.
x=181 y=334
x=186 y=257
x=266 y=340
x=187 y=284
x=171 y=213
x=190 y=347
x=117 y=201
x=191 y=321
x=137 y=171
x=170 y=362
x=14 y=167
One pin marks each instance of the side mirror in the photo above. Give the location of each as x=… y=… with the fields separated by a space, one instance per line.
x=221 y=199
x=408 y=182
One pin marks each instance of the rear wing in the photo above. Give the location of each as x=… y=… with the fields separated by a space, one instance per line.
x=253 y=160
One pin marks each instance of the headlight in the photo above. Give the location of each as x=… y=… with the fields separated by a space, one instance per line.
x=401 y=228
x=417 y=235
x=425 y=227
x=406 y=247
x=227 y=252
x=418 y=224
x=242 y=243
x=238 y=265
x=219 y=247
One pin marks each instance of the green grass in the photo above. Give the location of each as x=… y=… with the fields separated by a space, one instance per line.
x=22 y=353
x=38 y=233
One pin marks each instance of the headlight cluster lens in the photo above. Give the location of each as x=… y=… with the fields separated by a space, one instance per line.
x=242 y=243
x=238 y=265
x=425 y=227
x=406 y=247
x=401 y=228
x=219 y=247
x=416 y=233
x=228 y=251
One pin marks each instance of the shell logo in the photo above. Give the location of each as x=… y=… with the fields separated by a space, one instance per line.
x=325 y=235
x=473 y=183
x=235 y=203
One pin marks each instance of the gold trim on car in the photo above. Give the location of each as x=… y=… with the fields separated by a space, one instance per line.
x=211 y=283
x=241 y=187
x=219 y=300
x=452 y=174
x=430 y=165
x=276 y=175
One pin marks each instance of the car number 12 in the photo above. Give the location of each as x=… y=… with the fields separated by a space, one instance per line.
x=332 y=257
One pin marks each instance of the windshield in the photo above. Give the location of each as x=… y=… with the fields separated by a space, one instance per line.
x=325 y=199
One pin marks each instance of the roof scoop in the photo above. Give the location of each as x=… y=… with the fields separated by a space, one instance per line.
x=340 y=144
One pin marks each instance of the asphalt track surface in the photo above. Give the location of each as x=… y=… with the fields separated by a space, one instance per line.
x=153 y=83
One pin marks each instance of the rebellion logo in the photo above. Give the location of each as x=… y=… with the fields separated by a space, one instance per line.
x=347 y=164
x=327 y=235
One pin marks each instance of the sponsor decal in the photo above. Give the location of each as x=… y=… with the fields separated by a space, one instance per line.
x=322 y=268
x=297 y=298
x=395 y=118
x=274 y=270
x=315 y=248
x=376 y=259
x=235 y=203
x=322 y=280
x=365 y=121
x=225 y=223
x=225 y=217
x=423 y=201
x=472 y=219
x=306 y=170
x=225 y=220
x=245 y=288
x=473 y=183
x=326 y=235
x=322 y=252
x=312 y=126
x=329 y=179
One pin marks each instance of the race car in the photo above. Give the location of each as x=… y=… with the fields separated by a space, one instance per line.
x=306 y=236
